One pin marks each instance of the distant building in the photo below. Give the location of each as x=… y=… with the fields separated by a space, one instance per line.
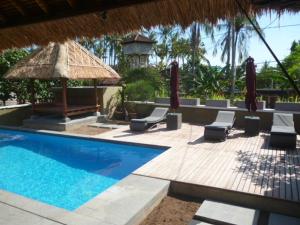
x=138 y=48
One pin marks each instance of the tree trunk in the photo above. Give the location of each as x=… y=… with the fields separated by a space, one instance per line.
x=233 y=56
x=228 y=50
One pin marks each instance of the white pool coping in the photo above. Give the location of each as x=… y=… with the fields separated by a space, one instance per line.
x=127 y=202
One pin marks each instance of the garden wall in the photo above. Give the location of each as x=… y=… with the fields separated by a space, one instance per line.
x=14 y=115
x=205 y=115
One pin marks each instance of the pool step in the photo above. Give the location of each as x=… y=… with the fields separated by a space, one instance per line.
x=128 y=202
x=226 y=214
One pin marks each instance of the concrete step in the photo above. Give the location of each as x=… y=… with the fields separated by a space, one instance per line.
x=128 y=202
x=225 y=214
x=197 y=222
x=278 y=219
x=106 y=125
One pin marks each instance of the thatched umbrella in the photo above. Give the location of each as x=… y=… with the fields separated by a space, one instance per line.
x=174 y=84
x=250 y=100
x=67 y=61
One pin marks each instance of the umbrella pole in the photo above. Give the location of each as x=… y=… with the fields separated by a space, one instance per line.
x=285 y=72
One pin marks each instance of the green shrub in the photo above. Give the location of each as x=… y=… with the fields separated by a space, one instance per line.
x=140 y=90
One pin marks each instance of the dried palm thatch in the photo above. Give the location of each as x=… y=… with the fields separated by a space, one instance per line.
x=69 y=60
x=39 y=21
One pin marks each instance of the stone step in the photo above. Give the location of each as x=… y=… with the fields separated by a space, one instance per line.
x=197 y=222
x=225 y=214
x=106 y=125
x=278 y=219
x=128 y=202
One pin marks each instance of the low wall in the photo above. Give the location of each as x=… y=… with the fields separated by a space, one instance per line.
x=14 y=115
x=205 y=115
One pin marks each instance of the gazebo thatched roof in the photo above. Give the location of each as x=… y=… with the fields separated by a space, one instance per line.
x=69 y=60
x=26 y=22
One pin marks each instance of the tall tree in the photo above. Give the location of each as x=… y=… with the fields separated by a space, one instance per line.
x=195 y=41
x=234 y=44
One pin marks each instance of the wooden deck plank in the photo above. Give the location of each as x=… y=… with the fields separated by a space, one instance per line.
x=228 y=169
x=282 y=174
x=261 y=167
x=252 y=179
x=296 y=162
x=243 y=164
x=271 y=182
x=290 y=159
x=276 y=187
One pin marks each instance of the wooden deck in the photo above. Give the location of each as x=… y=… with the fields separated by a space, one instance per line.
x=240 y=164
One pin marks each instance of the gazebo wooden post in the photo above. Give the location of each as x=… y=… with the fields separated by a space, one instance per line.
x=32 y=97
x=64 y=97
x=32 y=90
x=96 y=96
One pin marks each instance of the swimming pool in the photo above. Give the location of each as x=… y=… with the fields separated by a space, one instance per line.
x=64 y=171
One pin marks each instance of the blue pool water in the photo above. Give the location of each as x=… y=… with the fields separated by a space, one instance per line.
x=62 y=171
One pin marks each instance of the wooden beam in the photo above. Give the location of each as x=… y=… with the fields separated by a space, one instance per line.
x=88 y=8
x=43 y=5
x=72 y=3
x=64 y=96
x=2 y=18
x=32 y=97
x=96 y=95
x=19 y=7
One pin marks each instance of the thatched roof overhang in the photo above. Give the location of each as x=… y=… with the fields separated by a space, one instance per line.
x=26 y=22
x=68 y=60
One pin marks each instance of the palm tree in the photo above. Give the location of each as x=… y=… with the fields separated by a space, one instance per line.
x=195 y=41
x=234 y=42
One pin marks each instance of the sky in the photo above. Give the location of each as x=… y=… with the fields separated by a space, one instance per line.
x=281 y=32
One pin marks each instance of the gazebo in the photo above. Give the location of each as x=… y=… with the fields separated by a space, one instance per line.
x=67 y=61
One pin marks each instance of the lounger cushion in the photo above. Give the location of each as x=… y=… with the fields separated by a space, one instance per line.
x=283 y=119
x=158 y=115
x=219 y=125
x=283 y=130
x=218 y=130
x=283 y=133
x=225 y=116
x=138 y=120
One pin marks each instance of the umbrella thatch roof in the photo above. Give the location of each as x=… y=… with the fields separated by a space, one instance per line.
x=26 y=22
x=69 y=60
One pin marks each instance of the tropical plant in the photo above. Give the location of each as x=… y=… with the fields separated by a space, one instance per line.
x=140 y=90
x=7 y=60
x=272 y=76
